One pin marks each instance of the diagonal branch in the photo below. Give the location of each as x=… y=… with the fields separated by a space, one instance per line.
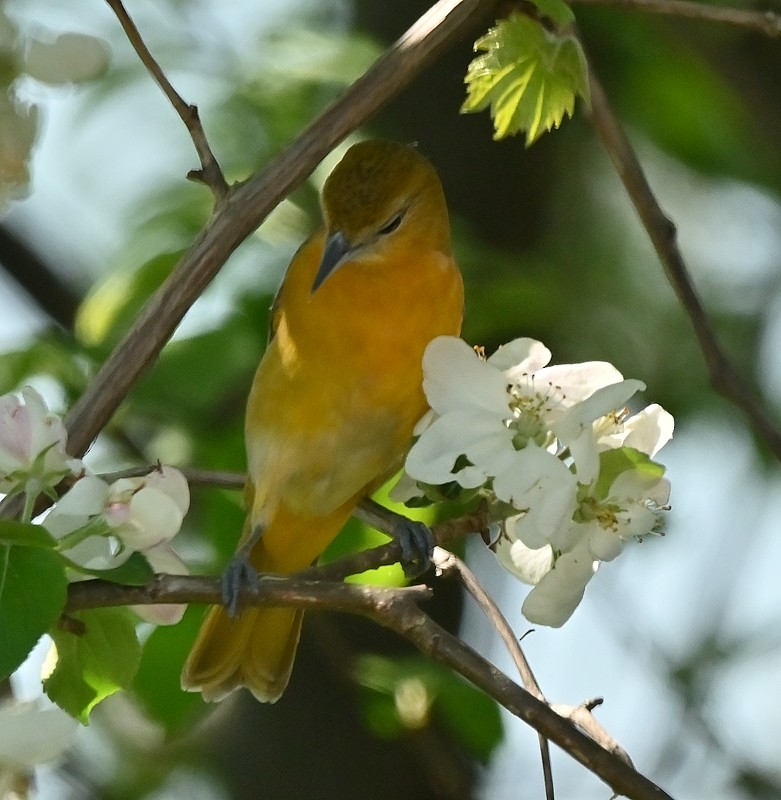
x=767 y=23
x=247 y=205
x=446 y=561
x=210 y=172
x=662 y=233
x=397 y=610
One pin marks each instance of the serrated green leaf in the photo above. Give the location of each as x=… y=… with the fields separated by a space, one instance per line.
x=94 y=663
x=25 y=534
x=32 y=596
x=527 y=76
x=136 y=571
x=157 y=683
x=613 y=462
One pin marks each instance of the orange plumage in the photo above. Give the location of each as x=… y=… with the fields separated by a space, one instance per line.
x=338 y=391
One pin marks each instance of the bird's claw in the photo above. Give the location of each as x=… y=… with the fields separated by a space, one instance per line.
x=238 y=575
x=417 y=546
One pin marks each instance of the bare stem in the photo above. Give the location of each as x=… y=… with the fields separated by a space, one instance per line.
x=447 y=561
x=662 y=234
x=210 y=172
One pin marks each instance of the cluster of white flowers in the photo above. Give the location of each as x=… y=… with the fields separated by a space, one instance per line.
x=98 y=525
x=565 y=468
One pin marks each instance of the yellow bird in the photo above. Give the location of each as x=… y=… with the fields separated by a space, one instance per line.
x=337 y=393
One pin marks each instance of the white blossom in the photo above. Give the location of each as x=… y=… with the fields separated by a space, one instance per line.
x=553 y=450
x=32 y=444
x=100 y=525
x=30 y=735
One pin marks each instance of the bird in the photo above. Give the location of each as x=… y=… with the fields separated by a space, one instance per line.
x=337 y=393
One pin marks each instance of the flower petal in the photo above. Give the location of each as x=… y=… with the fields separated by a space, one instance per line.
x=455 y=379
x=553 y=600
x=31 y=735
x=526 y=564
x=163 y=559
x=520 y=357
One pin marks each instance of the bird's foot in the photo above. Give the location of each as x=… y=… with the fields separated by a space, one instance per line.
x=238 y=575
x=417 y=545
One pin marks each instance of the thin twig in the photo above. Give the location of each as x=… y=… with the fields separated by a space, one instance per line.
x=447 y=561
x=767 y=23
x=397 y=610
x=215 y=479
x=210 y=172
x=247 y=205
x=662 y=233
x=368 y=511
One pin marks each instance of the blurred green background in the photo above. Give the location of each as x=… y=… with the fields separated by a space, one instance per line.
x=680 y=636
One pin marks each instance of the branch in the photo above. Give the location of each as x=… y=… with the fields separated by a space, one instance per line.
x=248 y=204
x=449 y=562
x=397 y=610
x=662 y=233
x=210 y=172
x=767 y=23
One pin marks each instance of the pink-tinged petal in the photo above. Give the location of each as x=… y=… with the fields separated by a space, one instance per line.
x=171 y=482
x=154 y=518
x=15 y=434
x=163 y=560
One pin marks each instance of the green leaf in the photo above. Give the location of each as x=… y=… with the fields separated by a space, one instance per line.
x=32 y=596
x=613 y=462
x=94 y=662
x=136 y=571
x=25 y=534
x=157 y=683
x=528 y=76
x=52 y=353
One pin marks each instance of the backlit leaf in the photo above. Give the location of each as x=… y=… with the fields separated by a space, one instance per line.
x=527 y=75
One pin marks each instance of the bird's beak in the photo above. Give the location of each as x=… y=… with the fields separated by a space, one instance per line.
x=336 y=248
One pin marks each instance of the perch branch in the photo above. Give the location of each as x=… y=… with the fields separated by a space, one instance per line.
x=397 y=610
x=448 y=562
x=662 y=233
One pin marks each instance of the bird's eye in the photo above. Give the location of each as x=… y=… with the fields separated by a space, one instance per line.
x=391 y=225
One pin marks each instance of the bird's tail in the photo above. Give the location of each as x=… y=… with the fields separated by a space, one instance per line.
x=257 y=648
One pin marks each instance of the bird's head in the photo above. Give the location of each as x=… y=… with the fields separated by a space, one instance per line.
x=381 y=195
